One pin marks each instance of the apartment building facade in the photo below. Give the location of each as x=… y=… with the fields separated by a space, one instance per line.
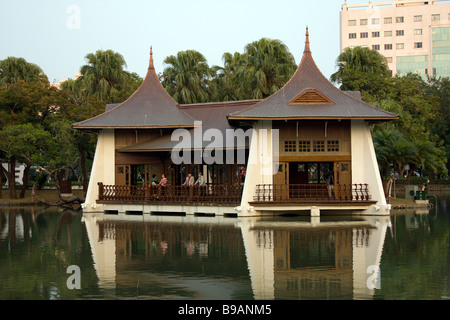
x=414 y=36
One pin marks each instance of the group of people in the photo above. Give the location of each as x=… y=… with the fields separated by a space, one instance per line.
x=162 y=182
x=189 y=180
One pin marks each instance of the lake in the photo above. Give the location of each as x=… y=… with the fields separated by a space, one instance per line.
x=57 y=254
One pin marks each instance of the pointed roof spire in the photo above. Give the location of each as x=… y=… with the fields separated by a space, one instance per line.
x=307 y=48
x=151 y=66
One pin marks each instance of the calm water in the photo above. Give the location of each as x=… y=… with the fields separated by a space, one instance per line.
x=404 y=256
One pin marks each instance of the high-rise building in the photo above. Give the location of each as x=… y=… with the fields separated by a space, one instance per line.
x=413 y=35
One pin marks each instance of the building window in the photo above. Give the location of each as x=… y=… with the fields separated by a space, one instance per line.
x=304 y=146
x=417 y=32
x=376 y=47
x=290 y=146
x=352 y=35
x=435 y=17
x=375 y=21
x=389 y=59
x=400 y=33
x=363 y=22
x=388 y=33
x=417 y=45
x=388 y=20
x=399 y=19
x=333 y=146
x=418 y=18
x=351 y=23
x=376 y=34
x=364 y=35
x=318 y=146
x=400 y=46
x=388 y=47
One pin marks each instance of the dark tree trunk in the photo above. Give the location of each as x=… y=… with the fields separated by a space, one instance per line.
x=24 y=182
x=12 y=178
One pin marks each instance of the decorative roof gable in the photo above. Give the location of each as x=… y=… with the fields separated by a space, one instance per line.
x=310 y=96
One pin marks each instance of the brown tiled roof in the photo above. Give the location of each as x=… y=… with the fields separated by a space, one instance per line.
x=324 y=101
x=150 y=106
x=212 y=115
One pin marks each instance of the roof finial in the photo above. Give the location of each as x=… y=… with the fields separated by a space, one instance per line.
x=150 y=66
x=307 y=48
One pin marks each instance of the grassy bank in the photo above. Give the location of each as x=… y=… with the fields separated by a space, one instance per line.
x=47 y=195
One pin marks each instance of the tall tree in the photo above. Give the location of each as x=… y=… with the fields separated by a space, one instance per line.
x=265 y=66
x=13 y=69
x=187 y=76
x=362 y=69
x=104 y=74
x=15 y=75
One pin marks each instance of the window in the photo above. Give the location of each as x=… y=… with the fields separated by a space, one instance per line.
x=400 y=46
x=318 y=146
x=304 y=146
x=399 y=19
x=388 y=47
x=376 y=47
x=375 y=20
x=376 y=34
x=388 y=33
x=417 y=45
x=418 y=18
x=417 y=31
x=333 y=146
x=290 y=146
x=351 y=23
x=435 y=17
x=364 y=35
x=352 y=35
x=363 y=22
x=400 y=33
x=389 y=59
x=387 y=20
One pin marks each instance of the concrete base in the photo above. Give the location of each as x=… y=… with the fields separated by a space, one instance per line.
x=240 y=211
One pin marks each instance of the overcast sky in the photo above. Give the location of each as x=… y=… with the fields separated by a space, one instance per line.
x=57 y=34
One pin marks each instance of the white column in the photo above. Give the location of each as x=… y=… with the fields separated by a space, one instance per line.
x=103 y=169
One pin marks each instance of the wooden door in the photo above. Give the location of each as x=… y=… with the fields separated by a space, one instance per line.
x=123 y=175
x=343 y=180
x=281 y=182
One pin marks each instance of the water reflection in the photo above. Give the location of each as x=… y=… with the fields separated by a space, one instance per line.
x=195 y=257
x=285 y=258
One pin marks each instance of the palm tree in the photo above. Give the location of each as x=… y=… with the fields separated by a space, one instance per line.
x=187 y=76
x=224 y=79
x=104 y=74
x=359 y=62
x=13 y=69
x=265 y=67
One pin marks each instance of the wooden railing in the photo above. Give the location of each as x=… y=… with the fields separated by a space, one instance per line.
x=312 y=192
x=169 y=193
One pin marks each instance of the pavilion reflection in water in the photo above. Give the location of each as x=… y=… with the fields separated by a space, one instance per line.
x=284 y=258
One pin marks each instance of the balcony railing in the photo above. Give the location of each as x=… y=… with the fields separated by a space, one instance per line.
x=169 y=193
x=312 y=193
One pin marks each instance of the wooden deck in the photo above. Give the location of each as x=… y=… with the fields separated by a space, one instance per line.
x=210 y=195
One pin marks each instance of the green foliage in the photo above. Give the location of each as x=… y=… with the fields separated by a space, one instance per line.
x=261 y=70
x=187 y=76
x=419 y=138
x=104 y=75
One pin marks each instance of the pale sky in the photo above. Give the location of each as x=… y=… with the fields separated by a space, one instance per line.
x=57 y=34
